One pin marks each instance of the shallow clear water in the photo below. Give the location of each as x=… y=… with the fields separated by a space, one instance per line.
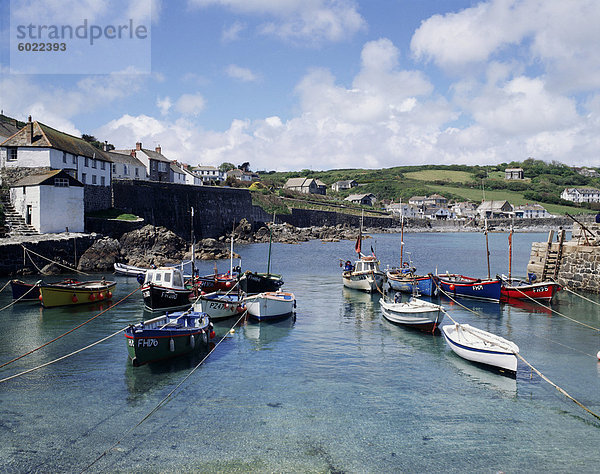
x=338 y=389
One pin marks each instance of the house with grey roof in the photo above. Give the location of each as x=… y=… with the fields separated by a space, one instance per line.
x=158 y=166
x=495 y=209
x=581 y=194
x=209 y=174
x=364 y=199
x=531 y=211
x=305 y=185
x=344 y=184
x=176 y=174
x=50 y=201
x=39 y=146
x=127 y=166
x=514 y=173
x=9 y=126
x=191 y=177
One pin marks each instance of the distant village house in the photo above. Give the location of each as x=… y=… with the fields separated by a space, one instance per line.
x=514 y=173
x=362 y=199
x=581 y=195
x=343 y=185
x=306 y=186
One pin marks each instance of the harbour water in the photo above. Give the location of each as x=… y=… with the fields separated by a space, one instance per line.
x=338 y=389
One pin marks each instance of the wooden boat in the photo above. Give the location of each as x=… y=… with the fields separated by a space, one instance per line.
x=167 y=336
x=220 y=305
x=482 y=347
x=515 y=289
x=270 y=305
x=467 y=287
x=64 y=294
x=164 y=289
x=253 y=282
x=364 y=275
x=23 y=291
x=405 y=281
x=415 y=313
x=129 y=270
x=216 y=282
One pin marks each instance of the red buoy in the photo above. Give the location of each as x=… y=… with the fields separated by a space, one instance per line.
x=92 y=297
x=74 y=299
x=109 y=294
x=40 y=297
x=451 y=287
x=203 y=292
x=228 y=284
x=212 y=334
x=100 y=296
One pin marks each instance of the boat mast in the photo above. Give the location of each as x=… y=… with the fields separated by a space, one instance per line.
x=231 y=253
x=270 y=240
x=510 y=234
x=193 y=244
x=401 y=237
x=487 y=248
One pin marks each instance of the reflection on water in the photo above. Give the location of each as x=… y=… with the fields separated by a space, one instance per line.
x=359 y=304
x=263 y=334
x=487 y=378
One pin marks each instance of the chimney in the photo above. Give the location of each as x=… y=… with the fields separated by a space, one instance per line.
x=105 y=145
x=29 y=131
x=132 y=153
x=138 y=146
x=158 y=149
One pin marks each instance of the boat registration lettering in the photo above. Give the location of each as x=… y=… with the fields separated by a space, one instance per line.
x=540 y=289
x=147 y=342
x=214 y=305
x=170 y=295
x=477 y=287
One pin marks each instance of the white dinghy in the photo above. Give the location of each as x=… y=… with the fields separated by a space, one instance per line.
x=482 y=347
x=414 y=313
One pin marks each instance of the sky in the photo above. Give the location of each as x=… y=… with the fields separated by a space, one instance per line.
x=327 y=84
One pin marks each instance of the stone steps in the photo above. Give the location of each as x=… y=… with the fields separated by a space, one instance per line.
x=14 y=222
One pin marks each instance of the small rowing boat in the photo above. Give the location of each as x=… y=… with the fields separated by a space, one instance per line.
x=415 y=313
x=220 y=305
x=270 y=305
x=482 y=347
x=167 y=336
x=67 y=294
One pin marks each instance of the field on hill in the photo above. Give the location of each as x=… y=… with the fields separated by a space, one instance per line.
x=449 y=176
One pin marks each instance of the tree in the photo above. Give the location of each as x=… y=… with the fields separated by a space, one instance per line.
x=97 y=143
x=225 y=167
x=245 y=166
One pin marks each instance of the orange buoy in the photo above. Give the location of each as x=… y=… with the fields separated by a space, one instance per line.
x=452 y=287
x=212 y=334
x=109 y=294
x=40 y=297
x=100 y=296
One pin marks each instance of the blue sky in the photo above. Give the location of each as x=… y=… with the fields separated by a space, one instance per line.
x=323 y=84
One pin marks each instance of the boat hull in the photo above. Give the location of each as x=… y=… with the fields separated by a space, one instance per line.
x=406 y=283
x=129 y=270
x=415 y=313
x=270 y=305
x=219 y=306
x=466 y=287
x=543 y=291
x=148 y=342
x=25 y=291
x=74 y=294
x=363 y=281
x=160 y=298
x=474 y=348
x=252 y=283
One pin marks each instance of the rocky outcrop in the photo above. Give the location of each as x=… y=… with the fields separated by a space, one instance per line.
x=152 y=246
x=101 y=256
x=212 y=249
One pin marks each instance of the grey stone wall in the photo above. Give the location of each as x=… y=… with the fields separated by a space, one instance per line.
x=96 y=198
x=112 y=227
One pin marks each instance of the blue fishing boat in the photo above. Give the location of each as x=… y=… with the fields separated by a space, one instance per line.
x=406 y=281
x=467 y=287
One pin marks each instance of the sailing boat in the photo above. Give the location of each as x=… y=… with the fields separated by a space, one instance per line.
x=515 y=289
x=467 y=287
x=365 y=274
x=254 y=282
x=404 y=279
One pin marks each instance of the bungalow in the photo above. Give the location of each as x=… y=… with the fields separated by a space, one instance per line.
x=127 y=166
x=51 y=201
x=38 y=146
x=581 y=195
x=513 y=173
x=363 y=199
x=530 y=211
x=438 y=213
x=495 y=209
x=345 y=184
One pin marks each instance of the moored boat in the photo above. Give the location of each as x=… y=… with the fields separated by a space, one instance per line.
x=129 y=270
x=523 y=290
x=167 y=336
x=23 y=291
x=482 y=347
x=65 y=294
x=407 y=281
x=467 y=287
x=219 y=305
x=415 y=313
x=270 y=305
x=253 y=282
x=364 y=275
x=216 y=282
x=164 y=289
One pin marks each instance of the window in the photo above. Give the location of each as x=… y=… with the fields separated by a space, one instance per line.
x=162 y=167
x=74 y=159
x=94 y=163
x=114 y=168
x=103 y=181
x=102 y=165
x=125 y=170
x=61 y=182
x=167 y=278
x=11 y=154
x=137 y=171
x=86 y=162
x=24 y=190
x=64 y=156
x=83 y=177
x=154 y=165
x=93 y=179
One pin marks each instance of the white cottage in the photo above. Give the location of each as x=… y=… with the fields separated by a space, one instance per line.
x=51 y=202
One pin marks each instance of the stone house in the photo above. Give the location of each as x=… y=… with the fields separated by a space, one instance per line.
x=513 y=173
x=304 y=185
x=157 y=165
x=581 y=195
x=435 y=200
x=495 y=209
x=344 y=184
x=363 y=199
x=51 y=201
x=127 y=166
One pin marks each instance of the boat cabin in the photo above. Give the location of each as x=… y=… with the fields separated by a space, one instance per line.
x=367 y=264
x=168 y=277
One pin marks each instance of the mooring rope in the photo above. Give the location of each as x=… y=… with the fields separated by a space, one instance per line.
x=581 y=296
x=4 y=287
x=165 y=399
x=517 y=354
x=63 y=357
x=53 y=261
x=69 y=331
x=22 y=296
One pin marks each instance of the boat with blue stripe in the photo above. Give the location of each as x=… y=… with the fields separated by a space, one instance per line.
x=463 y=286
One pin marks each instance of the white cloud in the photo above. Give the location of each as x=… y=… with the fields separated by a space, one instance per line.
x=164 y=104
x=241 y=73
x=190 y=104
x=232 y=33
x=299 y=20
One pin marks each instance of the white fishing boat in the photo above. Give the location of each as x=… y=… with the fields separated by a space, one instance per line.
x=364 y=275
x=415 y=313
x=129 y=270
x=220 y=305
x=482 y=347
x=270 y=305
